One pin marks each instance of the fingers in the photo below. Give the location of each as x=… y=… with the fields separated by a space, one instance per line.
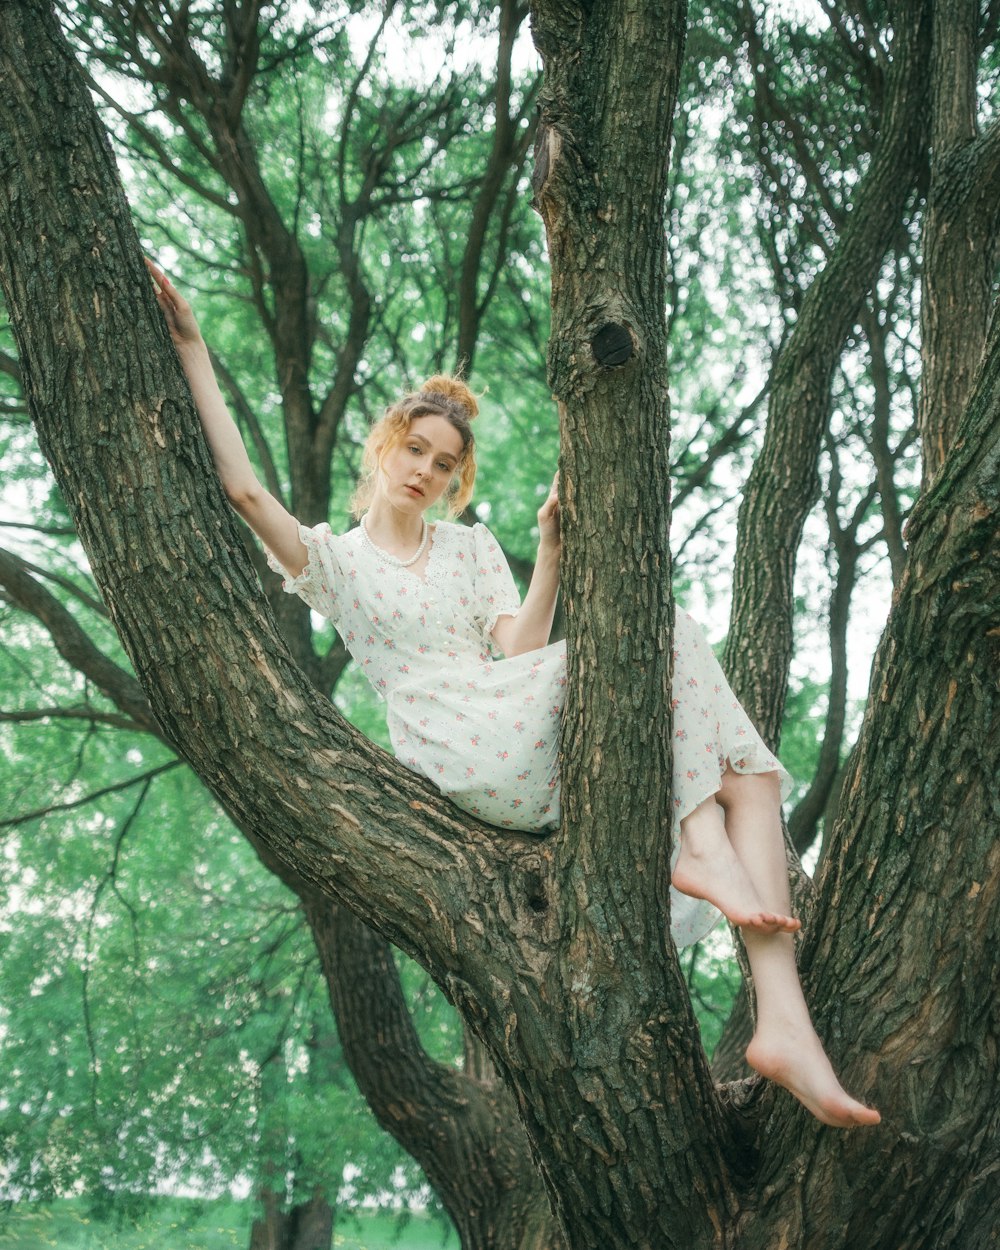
x=163 y=283
x=548 y=514
x=550 y=507
x=173 y=305
x=158 y=276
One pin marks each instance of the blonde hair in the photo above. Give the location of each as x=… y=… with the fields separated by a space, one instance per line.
x=440 y=396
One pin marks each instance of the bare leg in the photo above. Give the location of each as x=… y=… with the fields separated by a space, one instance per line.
x=708 y=866
x=785 y=1046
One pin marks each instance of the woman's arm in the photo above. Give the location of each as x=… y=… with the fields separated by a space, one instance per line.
x=274 y=525
x=531 y=627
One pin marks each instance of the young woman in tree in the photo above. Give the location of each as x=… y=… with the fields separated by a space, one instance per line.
x=425 y=608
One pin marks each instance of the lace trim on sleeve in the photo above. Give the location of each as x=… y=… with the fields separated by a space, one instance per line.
x=318 y=582
x=498 y=595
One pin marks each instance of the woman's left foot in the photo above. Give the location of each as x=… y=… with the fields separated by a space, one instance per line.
x=796 y=1060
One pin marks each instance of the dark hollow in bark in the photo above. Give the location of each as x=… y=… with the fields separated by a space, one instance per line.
x=612 y=345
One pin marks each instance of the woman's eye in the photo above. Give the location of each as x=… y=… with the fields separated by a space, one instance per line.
x=443 y=466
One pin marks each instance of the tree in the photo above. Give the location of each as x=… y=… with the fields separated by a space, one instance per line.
x=554 y=951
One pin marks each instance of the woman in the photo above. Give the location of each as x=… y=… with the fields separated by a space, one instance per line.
x=426 y=609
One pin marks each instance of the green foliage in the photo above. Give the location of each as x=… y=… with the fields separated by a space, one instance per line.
x=196 y=1224
x=713 y=980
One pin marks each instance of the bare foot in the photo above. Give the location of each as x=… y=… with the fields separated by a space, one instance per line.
x=796 y=1060
x=708 y=867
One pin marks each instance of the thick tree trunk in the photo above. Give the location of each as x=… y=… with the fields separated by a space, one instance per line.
x=611 y=76
x=901 y=955
x=961 y=233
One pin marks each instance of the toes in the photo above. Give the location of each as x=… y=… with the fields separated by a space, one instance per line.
x=771 y=922
x=784 y=924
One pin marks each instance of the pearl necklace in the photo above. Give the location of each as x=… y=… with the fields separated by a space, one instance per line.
x=395 y=559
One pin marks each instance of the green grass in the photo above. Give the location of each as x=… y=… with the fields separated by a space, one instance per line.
x=186 y=1224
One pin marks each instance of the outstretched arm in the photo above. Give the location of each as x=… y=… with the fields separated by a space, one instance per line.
x=531 y=627
x=273 y=524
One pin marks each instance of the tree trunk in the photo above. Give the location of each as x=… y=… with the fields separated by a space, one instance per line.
x=305 y=1226
x=900 y=954
x=611 y=77
x=961 y=234
x=462 y=1130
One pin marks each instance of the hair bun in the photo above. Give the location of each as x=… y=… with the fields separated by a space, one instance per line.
x=455 y=391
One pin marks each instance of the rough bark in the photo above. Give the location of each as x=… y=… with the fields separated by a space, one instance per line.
x=961 y=232
x=899 y=958
x=784 y=483
x=599 y=184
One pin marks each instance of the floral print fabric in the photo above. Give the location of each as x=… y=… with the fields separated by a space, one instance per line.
x=483 y=728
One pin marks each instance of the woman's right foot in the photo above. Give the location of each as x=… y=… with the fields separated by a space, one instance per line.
x=715 y=873
x=795 y=1059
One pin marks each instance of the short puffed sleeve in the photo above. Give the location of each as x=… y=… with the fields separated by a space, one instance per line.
x=496 y=592
x=321 y=581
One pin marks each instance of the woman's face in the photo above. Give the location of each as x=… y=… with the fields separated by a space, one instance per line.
x=416 y=472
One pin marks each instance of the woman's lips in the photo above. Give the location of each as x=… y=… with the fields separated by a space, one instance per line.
x=415 y=490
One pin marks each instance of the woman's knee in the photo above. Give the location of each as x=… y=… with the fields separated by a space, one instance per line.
x=740 y=787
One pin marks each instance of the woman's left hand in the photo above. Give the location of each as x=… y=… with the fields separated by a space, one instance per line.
x=549 y=536
x=176 y=310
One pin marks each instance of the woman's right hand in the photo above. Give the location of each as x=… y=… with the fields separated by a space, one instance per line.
x=179 y=316
x=549 y=535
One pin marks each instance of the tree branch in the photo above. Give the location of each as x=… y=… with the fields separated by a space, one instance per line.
x=81 y=711
x=52 y=531
x=10 y=366
x=11 y=822
x=72 y=643
x=438 y=1114
x=961 y=233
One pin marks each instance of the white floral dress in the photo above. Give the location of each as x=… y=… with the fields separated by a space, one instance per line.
x=483 y=728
